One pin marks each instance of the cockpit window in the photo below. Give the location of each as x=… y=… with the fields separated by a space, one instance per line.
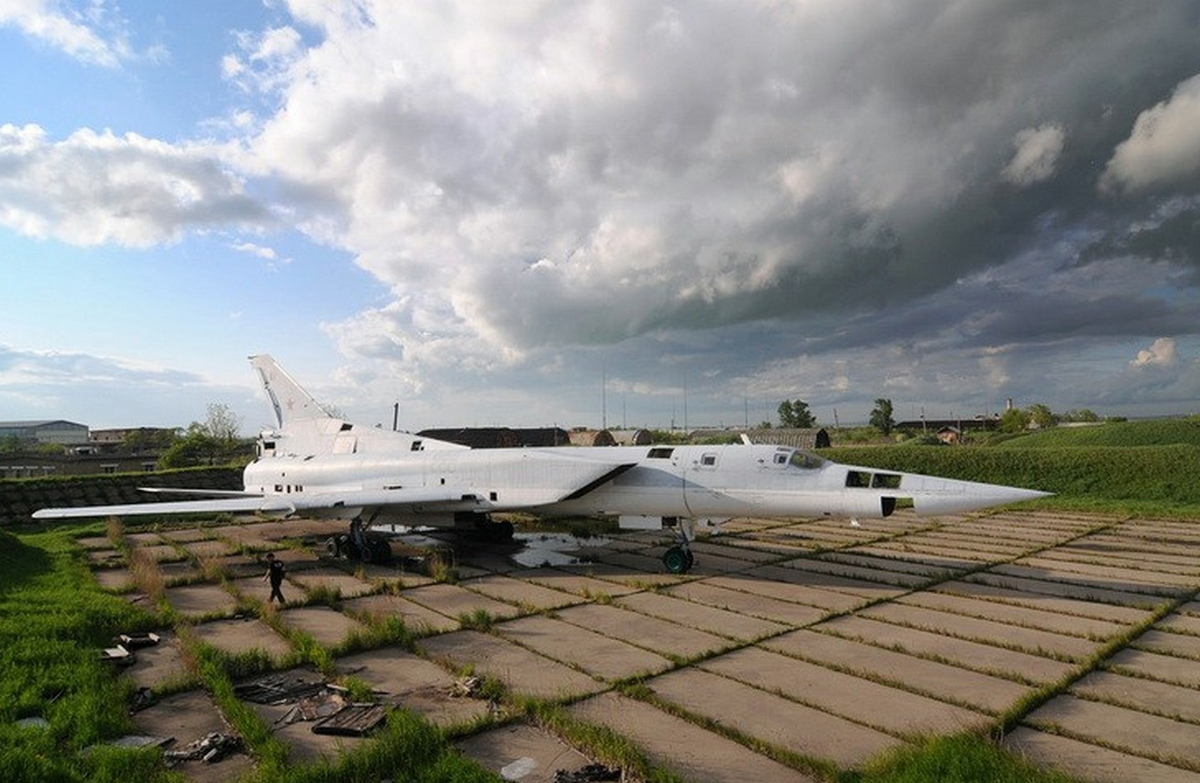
x=804 y=460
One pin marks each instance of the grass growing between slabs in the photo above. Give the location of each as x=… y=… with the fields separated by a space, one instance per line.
x=54 y=620
x=963 y=758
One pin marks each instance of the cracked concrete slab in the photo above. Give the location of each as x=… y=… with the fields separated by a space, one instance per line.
x=523 y=671
x=328 y=626
x=772 y=718
x=706 y=618
x=961 y=652
x=1150 y=736
x=242 y=636
x=409 y=681
x=949 y=683
x=882 y=707
x=1165 y=668
x=1015 y=615
x=693 y=752
x=520 y=592
x=1091 y=762
x=522 y=752
x=199 y=600
x=651 y=633
x=1159 y=698
x=188 y=717
x=592 y=652
x=415 y=617
x=454 y=601
x=578 y=582
x=1001 y=634
x=704 y=592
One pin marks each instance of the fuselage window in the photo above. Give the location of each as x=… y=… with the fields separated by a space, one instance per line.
x=886 y=481
x=708 y=460
x=857 y=478
x=279 y=488
x=418 y=446
x=781 y=459
x=802 y=459
x=660 y=453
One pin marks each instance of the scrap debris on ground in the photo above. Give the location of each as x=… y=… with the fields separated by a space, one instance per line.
x=210 y=749
x=312 y=699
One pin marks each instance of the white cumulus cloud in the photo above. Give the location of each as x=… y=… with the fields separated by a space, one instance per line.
x=1164 y=147
x=1037 y=153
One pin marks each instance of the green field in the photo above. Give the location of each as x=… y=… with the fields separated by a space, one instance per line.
x=1120 y=434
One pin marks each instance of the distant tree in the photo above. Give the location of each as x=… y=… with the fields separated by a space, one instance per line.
x=211 y=442
x=1014 y=420
x=146 y=439
x=196 y=447
x=1040 y=416
x=794 y=414
x=9 y=444
x=765 y=425
x=222 y=423
x=1083 y=415
x=881 y=416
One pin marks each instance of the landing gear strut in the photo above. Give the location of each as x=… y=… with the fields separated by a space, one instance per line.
x=493 y=532
x=359 y=545
x=679 y=558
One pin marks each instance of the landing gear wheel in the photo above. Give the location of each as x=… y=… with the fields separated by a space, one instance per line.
x=677 y=560
x=382 y=551
x=691 y=559
x=333 y=547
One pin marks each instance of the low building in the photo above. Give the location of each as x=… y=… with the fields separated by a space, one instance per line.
x=632 y=437
x=65 y=433
x=592 y=438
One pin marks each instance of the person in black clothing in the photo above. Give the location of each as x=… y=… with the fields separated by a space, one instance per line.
x=275 y=574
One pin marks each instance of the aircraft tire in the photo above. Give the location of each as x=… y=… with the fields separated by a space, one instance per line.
x=691 y=560
x=676 y=560
x=332 y=547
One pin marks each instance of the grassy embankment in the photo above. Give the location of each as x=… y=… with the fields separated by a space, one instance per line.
x=1145 y=468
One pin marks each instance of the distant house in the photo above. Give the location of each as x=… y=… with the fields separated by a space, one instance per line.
x=66 y=433
x=810 y=438
x=951 y=435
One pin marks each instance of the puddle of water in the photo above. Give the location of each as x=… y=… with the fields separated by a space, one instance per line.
x=556 y=549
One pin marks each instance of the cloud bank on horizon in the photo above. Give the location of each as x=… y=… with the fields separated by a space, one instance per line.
x=946 y=204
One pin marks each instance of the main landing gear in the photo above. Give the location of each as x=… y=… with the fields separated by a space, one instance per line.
x=679 y=558
x=359 y=545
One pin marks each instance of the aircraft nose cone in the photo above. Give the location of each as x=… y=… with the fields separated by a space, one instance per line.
x=946 y=496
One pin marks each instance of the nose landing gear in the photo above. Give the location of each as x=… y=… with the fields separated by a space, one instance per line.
x=679 y=558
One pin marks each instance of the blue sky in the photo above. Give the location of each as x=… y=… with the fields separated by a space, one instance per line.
x=491 y=211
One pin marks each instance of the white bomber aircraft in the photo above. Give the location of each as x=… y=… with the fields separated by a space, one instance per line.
x=317 y=465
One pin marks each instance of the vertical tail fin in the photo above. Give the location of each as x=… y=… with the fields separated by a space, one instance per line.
x=289 y=402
